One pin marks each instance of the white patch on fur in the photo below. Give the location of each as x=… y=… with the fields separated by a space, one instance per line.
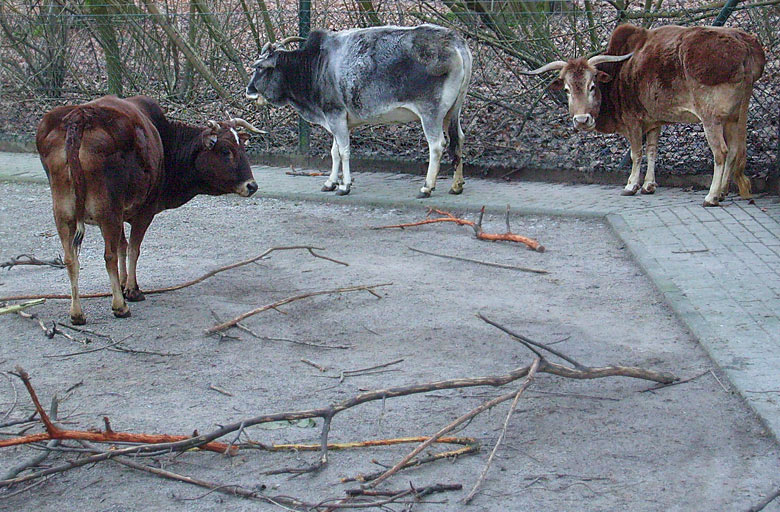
x=235 y=134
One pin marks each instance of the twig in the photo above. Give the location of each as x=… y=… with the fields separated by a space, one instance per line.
x=477 y=226
x=51 y=330
x=361 y=370
x=28 y=259
x=311 y=250
x=14 y=471
x=762 y=505
x=447 y=428
x=16 y=396
x=304 y=173
x=186 y=284
x=182 y=443
x=54 y=432
x=525 y=340
x=690 y=252
x=682 y=381
x=725 y=389
x=234 y=321
x=288 y=340
x=450 y=454
x=488 y=263
x=114 y=344
x=220 y=390
x=523 y=387
x=315 y=365
x=19 y=307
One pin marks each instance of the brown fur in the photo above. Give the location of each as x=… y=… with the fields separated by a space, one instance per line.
x=676 y=74
x=112 y=161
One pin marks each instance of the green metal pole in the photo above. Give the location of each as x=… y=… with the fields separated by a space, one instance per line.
x=724 y=14
x=304 y=26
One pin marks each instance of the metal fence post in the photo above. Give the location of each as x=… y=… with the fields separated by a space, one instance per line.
x=304 y=26
x=724 y=13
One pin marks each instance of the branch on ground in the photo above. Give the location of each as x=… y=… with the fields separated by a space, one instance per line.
x=200 y=279
x=477 y=226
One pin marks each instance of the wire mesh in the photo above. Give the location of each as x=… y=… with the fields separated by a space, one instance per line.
x=60 y=51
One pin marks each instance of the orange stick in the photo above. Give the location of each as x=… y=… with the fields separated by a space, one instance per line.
x=492 y=237
x=53 y=432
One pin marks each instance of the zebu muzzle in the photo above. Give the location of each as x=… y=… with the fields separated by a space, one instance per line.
x=247 y=188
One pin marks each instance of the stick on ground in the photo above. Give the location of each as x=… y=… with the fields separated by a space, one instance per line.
x=236 y=320
x=477 y=226
x=200 y=279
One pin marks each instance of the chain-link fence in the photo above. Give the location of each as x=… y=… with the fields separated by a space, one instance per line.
x=193 y=56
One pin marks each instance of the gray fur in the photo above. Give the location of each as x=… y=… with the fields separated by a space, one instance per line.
x=378 y=75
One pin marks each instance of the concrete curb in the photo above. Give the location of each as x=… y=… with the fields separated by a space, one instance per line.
x=697 y=325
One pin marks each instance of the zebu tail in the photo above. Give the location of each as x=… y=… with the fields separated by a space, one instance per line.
x=74 y=125
x=454 y=131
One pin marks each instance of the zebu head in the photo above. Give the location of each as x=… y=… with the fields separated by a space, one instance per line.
x=266 y=84
x=579 y=78
x=221 y=163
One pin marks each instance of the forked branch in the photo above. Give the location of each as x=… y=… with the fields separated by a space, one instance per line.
x=477 y=226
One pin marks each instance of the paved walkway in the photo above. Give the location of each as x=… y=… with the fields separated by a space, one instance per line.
x=718 y=268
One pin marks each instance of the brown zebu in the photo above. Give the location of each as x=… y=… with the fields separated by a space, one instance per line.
x=115 y=160
x=670 y=75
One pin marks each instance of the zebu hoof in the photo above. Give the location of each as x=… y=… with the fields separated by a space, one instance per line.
x=78 y=320
x=343 y=191
x=456 y=191
x=708 y=204
x=121 y=313
x=648 y=188
x=630 y=191
x=423 y=194
x=135 y=295
x=329 y=188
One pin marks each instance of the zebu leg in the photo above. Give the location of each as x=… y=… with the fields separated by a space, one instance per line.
x=139 y=226
x=66 y=228
x=735 y=132
x=635 y=139
x=112 y=230
x=341 y=138
x=457 y=176
x=123 y=258
x=652 y=153
x=714 y=132
x=332 y=182
x=434 y=134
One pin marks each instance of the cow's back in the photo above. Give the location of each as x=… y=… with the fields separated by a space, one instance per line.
x=119 y=151
x=385 y=65
x=672 y=65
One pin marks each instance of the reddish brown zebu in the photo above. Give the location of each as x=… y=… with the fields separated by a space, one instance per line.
x=649 y=78
x=115 y=160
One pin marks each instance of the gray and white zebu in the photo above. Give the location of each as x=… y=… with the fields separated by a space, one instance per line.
x=379 y=75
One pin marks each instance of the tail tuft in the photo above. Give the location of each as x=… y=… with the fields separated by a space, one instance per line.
x=74 y=124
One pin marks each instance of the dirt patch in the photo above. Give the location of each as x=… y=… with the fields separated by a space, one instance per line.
x=597 y=445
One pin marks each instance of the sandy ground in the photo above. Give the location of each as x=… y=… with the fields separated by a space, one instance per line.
x=571 y=445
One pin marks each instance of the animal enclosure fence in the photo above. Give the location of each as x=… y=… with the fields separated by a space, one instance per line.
x=194 y=56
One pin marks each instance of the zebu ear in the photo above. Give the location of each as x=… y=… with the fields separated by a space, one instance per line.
x=209 y=135
x=556 y=85
x=603 y=77
x=267 y=62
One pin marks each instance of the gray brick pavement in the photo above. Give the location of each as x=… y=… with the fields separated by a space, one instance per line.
x=718 y=268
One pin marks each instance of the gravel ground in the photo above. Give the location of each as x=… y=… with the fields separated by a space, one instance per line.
x=571 y=445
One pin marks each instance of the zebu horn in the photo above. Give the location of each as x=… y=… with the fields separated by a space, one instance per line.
x=245 y=124
x=600 y=59
x=265 y=49
x=288 y=40
x=558 y=64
